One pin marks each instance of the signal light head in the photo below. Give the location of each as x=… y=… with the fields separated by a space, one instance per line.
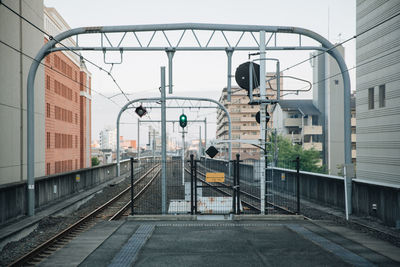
x=141 y=111
x=183 y=120
x=267 y=117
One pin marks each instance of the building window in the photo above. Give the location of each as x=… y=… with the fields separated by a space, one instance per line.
x=48 y=110
x=48 y=82
x=48 y=169
x=48 y=139
x=371 y=98
x=382 y=96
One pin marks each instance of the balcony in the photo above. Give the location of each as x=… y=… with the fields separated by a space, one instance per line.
x=353 y=138
x=315 y=145
x=250 y=137
x=353 y=154
x=250 y=128
x=353 y=122
x=222 y=130
x=248 y=119
x=292 y=122
x=315 y=129
x=295 y=137
x=249 y=110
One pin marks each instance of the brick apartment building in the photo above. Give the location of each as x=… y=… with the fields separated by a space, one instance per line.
x=67 y=105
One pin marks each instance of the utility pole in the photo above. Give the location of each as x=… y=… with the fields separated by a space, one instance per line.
x=183 y=156
x=163 y=144
x=154 y=143
x=200 y=145
x=263 y=124
x=138 y=140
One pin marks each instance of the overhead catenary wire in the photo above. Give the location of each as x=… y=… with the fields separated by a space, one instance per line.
x=57 y=71
x=69 y=49
x=341 y=43
x=357 y=66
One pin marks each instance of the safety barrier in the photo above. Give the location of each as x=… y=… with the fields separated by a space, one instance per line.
x=48 y=189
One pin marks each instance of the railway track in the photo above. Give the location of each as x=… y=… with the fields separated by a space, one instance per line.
x=111 y=210
x=250 y=198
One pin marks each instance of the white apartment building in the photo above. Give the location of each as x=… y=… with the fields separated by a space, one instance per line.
x=108 y=139
x=298 y=120
x=378 y=91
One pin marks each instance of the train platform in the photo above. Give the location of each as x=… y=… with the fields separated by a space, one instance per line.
x=223 y=241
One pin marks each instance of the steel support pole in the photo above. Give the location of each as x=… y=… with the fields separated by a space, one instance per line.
x=278 y=80
x=298 y=183
x=200 y=145
x=229 y=52
x=183 y=156
x=138 y=140
x=263 y=125
x=170 y=54
x=191 y=184
x=163 y=144
x=205 y=133
x=132 y=186
x=118 y=141
x=31 y=134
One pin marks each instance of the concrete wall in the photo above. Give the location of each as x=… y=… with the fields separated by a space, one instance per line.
x=378 y=55
x=13 y=76
x=328 y=190
x=49 y=189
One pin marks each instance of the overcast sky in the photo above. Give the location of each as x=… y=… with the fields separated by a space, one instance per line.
x=197 y=73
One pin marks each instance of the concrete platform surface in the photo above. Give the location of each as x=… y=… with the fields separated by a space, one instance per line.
x=223 y=243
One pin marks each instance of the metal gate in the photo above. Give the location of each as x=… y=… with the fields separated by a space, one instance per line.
x=212 y=191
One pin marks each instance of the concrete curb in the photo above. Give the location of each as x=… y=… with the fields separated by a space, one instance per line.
x=217 y=217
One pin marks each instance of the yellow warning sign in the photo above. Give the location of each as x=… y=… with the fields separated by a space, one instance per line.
x=215 y=177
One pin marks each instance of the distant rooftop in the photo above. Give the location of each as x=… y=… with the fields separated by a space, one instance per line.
x=305 y=105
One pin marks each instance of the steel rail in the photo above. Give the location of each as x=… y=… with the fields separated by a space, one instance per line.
x=224 y=192
x=70 y=229
x=120 y=212
x=253 y=197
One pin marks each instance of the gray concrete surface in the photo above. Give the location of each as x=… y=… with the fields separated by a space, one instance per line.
x=83 y=245
x=245 y=243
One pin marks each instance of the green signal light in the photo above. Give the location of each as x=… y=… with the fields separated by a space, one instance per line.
x=183 y=120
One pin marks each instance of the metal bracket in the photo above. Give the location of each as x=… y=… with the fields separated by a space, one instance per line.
x=112 y=63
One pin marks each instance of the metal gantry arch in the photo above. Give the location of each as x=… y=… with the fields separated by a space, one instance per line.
x=155 y=99
x=229 y=46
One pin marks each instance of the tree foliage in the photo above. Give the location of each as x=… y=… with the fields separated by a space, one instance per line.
x=287 y=153
x=95 y=161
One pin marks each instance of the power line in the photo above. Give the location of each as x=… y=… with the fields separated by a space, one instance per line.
x=74 y=52
x=50 y=67
x=357 y=66
x=345 y=41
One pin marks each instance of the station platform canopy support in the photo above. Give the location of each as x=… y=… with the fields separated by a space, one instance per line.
x=132 y=41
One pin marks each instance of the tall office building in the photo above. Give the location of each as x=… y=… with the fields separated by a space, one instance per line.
x=378 y=91
x=328 y=94
x=68 y=104
x=20 y=36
